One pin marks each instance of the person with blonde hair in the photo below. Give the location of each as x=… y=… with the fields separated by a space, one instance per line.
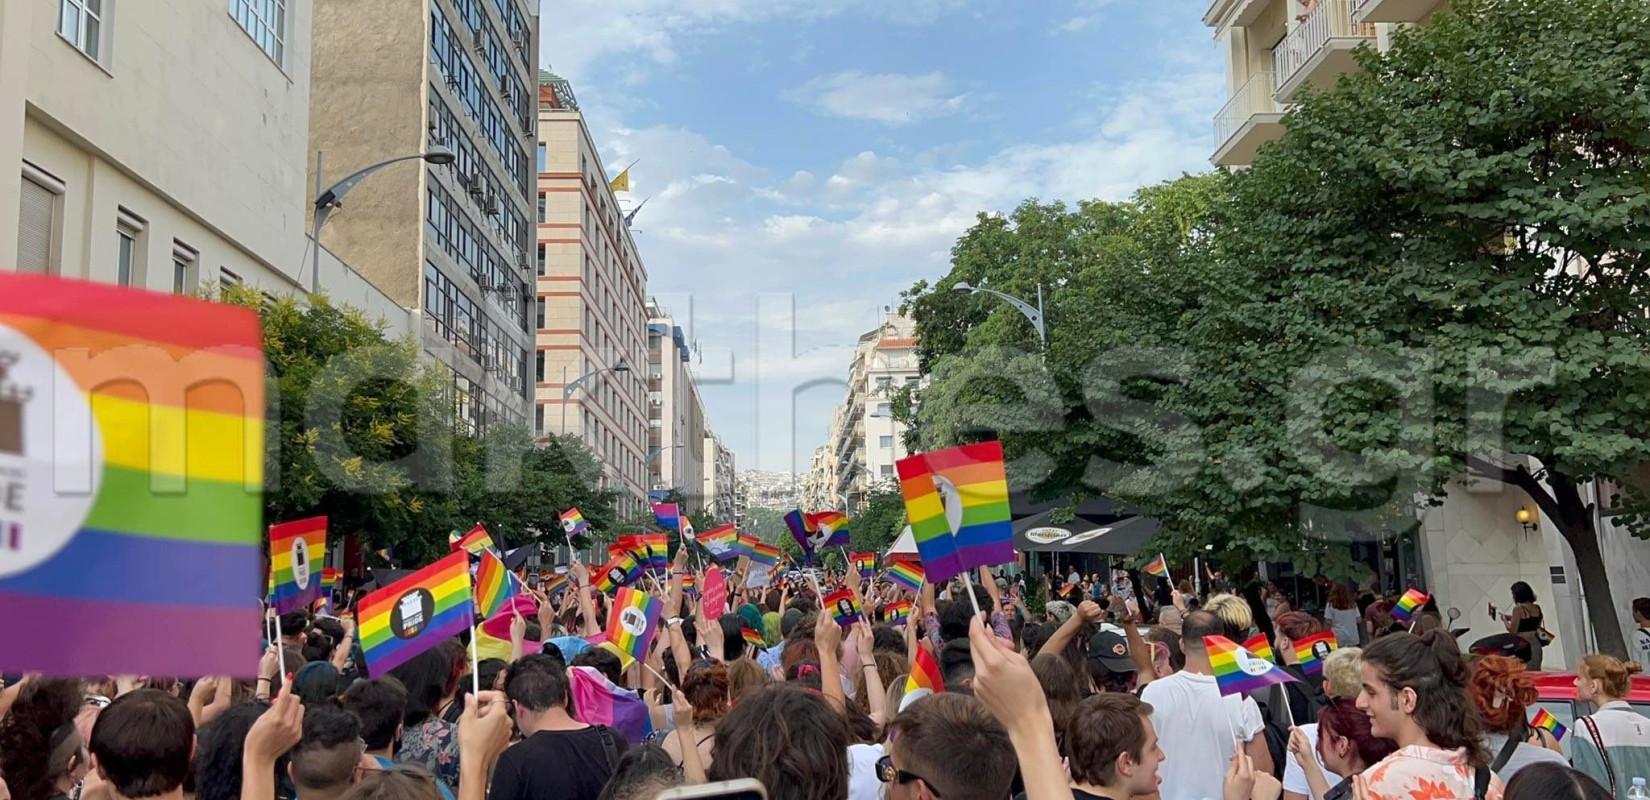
x=1613 y=743
x=1234 y=611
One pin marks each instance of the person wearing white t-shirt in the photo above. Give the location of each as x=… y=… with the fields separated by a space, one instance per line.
x=1195 y=723
x=1342 y=677
x=1641 y=634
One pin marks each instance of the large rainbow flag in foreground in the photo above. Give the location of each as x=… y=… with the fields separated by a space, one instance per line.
x=415 y=613
x=957 y=499
x=132 y=435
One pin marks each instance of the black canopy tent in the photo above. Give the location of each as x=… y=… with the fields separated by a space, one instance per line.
x=1095 y=531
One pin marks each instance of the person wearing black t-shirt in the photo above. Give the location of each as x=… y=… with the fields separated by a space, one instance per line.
x=1112 y=748
x=559 y=757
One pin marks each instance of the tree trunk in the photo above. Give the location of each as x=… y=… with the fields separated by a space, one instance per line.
x=1575 y=523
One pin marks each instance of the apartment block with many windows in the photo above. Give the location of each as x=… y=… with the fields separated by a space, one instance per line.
x=676 y=414
x=150 y=164
x=865 y=440
x=452 y=241
x=590 y=309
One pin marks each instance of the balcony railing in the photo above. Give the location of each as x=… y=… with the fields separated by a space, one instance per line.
x=1331 y=19
x=1253 y=97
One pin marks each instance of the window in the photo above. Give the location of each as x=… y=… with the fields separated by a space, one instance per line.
x=81 y=22
x=541 y=258
x=37 y=222
x=541 y=207
x=912 y=380
x=541 y=157
x=538 y=370
x=885 y=471
x=227 y=277
x=538 y=410
x=541 y=313
x=265 y=22
x=183 y=267
x=128 y=249
x=885 y=442
x=884 y=382
x=884 y=410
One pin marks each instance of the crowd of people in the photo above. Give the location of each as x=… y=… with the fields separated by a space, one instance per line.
x=1101 y=694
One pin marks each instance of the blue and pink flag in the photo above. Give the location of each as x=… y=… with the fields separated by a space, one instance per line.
x=596 y=701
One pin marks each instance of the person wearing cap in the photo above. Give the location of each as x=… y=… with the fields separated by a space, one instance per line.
x=1110 y=666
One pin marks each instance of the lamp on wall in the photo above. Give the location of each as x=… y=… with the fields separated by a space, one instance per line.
x=1528 y=519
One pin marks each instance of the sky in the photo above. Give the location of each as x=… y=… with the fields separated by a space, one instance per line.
x=804 y=161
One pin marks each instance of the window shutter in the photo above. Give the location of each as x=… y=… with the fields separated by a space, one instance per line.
x=35 y=218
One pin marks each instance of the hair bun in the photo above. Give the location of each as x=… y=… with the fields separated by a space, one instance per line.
x=1632 y=667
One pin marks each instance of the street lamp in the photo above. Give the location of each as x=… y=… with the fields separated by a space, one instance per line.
x=327 y=200
x=657 y=450
x=567 y=388
x=1032 y=315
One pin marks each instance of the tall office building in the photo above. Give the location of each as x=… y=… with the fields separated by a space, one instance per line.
x=394 y=78
x=676 y=415
x=148 y=163
x=865 y=440
x=590 y=311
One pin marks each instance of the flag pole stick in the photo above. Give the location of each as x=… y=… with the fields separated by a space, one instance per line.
x=968 y=585
x=475 y=668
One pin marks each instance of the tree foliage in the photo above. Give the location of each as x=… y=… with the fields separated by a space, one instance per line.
x=1437 y=271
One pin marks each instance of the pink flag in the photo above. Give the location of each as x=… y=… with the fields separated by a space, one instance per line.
x=596 y=701
x=716 y=593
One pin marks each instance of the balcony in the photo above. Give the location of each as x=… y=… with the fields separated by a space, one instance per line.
x=1319 y=49
x=1251 y=118
x=1366 y=11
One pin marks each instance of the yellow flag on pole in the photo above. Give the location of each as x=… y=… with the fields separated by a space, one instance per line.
x=621 y=183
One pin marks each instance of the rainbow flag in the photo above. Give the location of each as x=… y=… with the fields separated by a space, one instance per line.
x=801 y=531
x=751 y=636
x=1549 y=723
x=844 y=607
x=829 y=529
x=296 y=549
x=573 y=524
x=473 y=542
x=897 y=612
x=1413 y=599
x=633 y=621
x=1238 y=671
x=621 y=570
x=1260 y=647
x=1313 y=649
x=764 y=554
x=925 y=674
x=974 y=528
x=415 y=613
x=866 y=563
x=329 y=580
x=690 y=586
x=720 y=542
x=1158 y=567
x=657 y=548
x=746 y=545
x=668 y=515
x=388 y=554
x=494 y=584
x=907 y=574
x=553 y=584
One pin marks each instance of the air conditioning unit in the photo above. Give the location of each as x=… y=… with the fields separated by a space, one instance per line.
x=491 y=207
x=472 y=184
x=480 y=41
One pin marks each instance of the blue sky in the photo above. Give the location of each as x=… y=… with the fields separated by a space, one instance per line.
x=808 y=159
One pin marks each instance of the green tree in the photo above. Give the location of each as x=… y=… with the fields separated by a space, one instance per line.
x=874 y=528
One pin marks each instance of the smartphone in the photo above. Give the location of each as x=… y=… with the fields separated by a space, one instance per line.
x=741 y=789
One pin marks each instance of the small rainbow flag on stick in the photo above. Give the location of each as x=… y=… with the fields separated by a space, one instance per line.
x=751 y=637
x=828 y=529
x=296 y=549
x=721 y=541
x=1550 y=724
x=1158 y=566
x=553 y=584
x=621 y=570
x=329 y=579
x=746 y=546
x=764 y=554
x=1413 y=599
x=633 y=621
x=897 y=612
x=866 y=563
x=1260 y=647
x=844 y=607
x=801 y=531
x=473 y=542
x=906 y=574
x=415 y=613
x=388 y=554
x=957 y=499
x=925 y=674
x=494 y=584
x=1312 y=650
x=1237 y=670
x=573 y=524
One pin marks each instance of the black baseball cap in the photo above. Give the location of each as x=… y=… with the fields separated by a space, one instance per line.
x=1111 y=651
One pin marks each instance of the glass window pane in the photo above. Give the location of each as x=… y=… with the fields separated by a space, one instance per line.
x=92 y=27
x=69 y=25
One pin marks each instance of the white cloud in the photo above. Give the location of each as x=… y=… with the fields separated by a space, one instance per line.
x=889 y=98
x=1087 y=16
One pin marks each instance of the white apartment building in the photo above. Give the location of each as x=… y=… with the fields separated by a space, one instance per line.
x=865 y=439
x=720 y=489
x=676 y=414
x=1470 y=549
x=150 y=164
x=591 y=312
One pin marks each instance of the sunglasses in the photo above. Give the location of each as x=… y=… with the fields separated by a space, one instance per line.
x=888 y=773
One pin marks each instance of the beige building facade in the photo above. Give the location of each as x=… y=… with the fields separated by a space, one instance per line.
x=865 y=440
x=590 y=312
x=720 y=479
x=454 y=241
x=676 y=414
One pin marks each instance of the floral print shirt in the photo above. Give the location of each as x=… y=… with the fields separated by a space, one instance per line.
x=1426 y=773
x=433 y=745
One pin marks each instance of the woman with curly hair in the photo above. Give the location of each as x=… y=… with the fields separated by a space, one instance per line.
x=789 y=739
x=42 y=756
x=219 y=746
x=705 y=687
x=1503 y=693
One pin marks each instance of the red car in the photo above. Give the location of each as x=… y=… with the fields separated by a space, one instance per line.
x=1557 y=693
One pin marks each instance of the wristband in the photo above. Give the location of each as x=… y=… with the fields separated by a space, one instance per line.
x=267 y=680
